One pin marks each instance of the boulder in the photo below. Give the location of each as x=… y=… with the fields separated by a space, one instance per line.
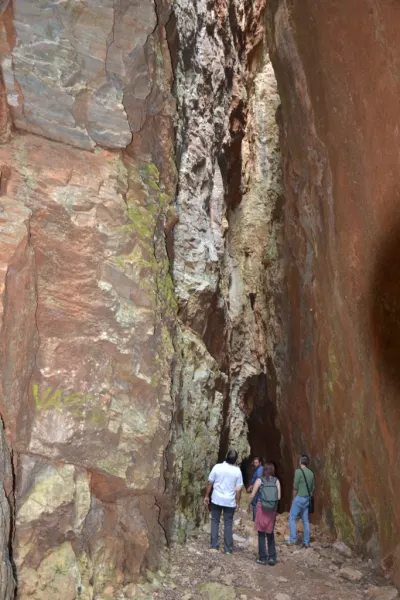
x=350 y=574
x=342 y=549
x=387 y=592
x=217 y=591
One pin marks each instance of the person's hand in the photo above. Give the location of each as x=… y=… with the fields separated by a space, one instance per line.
x=250 y=489
x=206 y=500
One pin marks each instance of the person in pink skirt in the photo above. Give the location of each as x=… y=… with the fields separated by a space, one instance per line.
x=270 y=494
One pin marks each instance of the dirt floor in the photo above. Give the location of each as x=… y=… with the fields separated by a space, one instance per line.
x=326 y=571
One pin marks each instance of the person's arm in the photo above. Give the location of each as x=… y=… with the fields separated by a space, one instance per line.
x=255 y=490
x=211 y=479
x=239 y=486
x=207 y=494
x=252 y=482
x=296 y=483
x=278 y=485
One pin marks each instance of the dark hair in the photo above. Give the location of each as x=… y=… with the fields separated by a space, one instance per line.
x=269 y=470
x=231 y=457
x=257 y=458
x=304 y=460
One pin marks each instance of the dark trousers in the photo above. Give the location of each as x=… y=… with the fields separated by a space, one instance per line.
x=216 y=511
x=262 y=548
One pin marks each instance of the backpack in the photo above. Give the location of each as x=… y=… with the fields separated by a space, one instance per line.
x=269 y=494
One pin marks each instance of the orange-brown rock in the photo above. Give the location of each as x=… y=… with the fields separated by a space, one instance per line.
x=336 y=65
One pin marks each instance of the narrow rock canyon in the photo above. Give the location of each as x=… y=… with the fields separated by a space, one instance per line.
x=199 y=242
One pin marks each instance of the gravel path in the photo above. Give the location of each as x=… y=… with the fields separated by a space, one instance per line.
x=323 y=572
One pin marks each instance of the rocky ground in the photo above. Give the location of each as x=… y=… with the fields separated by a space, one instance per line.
x=326 y=571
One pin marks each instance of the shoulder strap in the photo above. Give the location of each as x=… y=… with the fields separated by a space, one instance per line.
x=305 y=479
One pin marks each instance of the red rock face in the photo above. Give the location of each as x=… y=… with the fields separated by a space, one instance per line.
x=86 y=299
x=336 y=66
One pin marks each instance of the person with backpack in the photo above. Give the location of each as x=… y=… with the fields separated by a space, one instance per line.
x=303 y=501
x=257 y=473
x=226 y=482
x=269 y=489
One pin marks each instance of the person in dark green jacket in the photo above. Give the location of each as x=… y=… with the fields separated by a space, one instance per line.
x=301 y=501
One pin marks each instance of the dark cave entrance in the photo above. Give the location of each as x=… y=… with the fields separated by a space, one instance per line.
x=264 y=435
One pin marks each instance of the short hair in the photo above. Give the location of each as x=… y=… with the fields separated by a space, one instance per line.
x=304 y=460
x=269 y=470
x=257 y=458
x=231 y=457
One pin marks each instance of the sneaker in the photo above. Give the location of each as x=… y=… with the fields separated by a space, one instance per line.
x=261 y=562
x=289 y=543
x=271 y=562
x=305 y=546
x=228 y=553
x=213 y=550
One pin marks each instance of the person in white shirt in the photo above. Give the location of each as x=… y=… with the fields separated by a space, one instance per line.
x=226 y=482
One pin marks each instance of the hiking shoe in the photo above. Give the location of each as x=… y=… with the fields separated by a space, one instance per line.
x=305 y=546
x=228 y=553
x=271 y=562
x=261 y=562
x=289 y=543
x=213 y=550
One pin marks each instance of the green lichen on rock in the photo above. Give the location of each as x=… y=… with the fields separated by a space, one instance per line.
x=343 y=523
x=147 y=206
x=56 y=576
x=147 y=210
x=197 y=429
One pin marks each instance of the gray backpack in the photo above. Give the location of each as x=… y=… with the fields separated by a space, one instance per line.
x=269 y=494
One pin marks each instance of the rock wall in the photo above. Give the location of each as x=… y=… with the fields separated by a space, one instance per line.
x=107 y=397
x=336 y=65
x=225 y=245
x=87 y=303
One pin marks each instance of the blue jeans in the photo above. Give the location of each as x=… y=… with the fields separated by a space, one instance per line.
x=300 y=507
x=216 y=511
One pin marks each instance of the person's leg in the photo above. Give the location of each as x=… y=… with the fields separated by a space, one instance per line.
x=262 y=548
x=306 y=522
x=215 y=518
x=294 y=513
x=271 y=548
x=228 y=522
x=254 y=507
